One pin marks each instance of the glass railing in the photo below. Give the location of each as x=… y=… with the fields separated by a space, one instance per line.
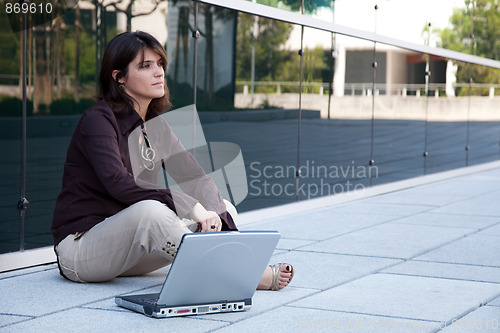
x=317 y=110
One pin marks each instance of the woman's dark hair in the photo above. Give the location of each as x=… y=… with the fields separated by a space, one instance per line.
x=119 y=53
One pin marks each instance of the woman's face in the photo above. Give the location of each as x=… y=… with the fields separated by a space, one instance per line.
x=145 y=78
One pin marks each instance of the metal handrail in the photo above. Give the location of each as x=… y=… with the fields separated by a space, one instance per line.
x=308 y=21
x=364 y=86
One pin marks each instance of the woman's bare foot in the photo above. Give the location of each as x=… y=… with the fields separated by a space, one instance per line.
x=276 y=277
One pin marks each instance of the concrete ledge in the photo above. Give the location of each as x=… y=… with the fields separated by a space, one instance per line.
x=256 y=115
x=386 y=106
x=56 y=126
x=28 y=258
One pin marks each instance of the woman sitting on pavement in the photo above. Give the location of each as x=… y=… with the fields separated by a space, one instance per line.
x=105 y=225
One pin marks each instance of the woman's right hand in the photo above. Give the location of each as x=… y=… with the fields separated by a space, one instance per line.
x=208 y=221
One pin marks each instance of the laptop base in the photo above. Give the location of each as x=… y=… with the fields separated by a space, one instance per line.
x=160 y=311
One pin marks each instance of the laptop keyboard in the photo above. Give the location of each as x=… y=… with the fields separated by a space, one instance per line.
x=149 y=299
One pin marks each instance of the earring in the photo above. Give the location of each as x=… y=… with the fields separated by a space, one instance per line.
x=121 y=86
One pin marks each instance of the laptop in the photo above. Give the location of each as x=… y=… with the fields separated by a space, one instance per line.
x=212 y=272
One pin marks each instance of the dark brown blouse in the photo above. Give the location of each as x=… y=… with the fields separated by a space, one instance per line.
x=99 y=182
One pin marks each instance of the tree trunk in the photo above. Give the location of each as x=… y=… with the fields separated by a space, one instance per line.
x=30 y=64
x=209 y=87
x=129 y=16
x=43 y=79
x=21 y=69
x=57 y=63
x=76 y=95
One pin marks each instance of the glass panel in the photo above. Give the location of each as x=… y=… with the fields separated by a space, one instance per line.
x=335 y=149
x=64 y=84
x=180 y=51
x=269 y=140
x=266 y=68
x=484 y=122
x=60 y=86
x=10 y=134
x=400 y=114
x=260 y=114
x=447 y=125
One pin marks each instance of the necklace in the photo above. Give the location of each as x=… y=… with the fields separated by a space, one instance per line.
x=147 y=152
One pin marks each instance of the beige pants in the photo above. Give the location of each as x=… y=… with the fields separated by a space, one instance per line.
x=140 y=239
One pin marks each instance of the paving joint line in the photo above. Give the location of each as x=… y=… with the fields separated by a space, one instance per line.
x=454 y=263
x=365 y=313
x=440 y=277
x=465 y=313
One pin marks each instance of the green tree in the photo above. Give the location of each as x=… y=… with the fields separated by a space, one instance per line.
x=269 y=47
x=10 y=45
x=310 y=6
x=475 y=30
x=273 y=62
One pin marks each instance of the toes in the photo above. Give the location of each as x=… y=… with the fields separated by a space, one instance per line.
x=283 y=280
x=285 y=275
x=283 y=284
x=286 y=268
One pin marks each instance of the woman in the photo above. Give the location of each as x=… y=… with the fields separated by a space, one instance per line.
x=104 y=224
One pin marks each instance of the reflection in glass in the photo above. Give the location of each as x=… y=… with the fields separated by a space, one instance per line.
x=215 y=57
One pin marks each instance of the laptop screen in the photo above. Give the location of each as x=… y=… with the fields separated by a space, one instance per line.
x=215 y=267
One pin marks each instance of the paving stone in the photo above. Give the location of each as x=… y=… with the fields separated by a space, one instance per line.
x=324 y=270
x=401 y=296
x=445 y=270
x=493 y=231
x=389 y=240
x=383 y=208
x=320 y=224
x=109 y=303
x=484 y=319
x=6 y=319
x=291 y=244
x=495 y=302
x=349 y=269
x=483 y=205
x=449 y=220
x=90 y=320
x=26 y=271
x=473 y=250
x=263 y=301
x=486 y=175
x=35 y=289
x=410 y=197
x=459 y=186
x=294 y=319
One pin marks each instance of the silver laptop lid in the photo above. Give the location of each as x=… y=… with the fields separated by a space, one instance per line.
x=219 y=266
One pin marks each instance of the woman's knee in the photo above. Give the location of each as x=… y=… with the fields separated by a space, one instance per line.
x=151 y=210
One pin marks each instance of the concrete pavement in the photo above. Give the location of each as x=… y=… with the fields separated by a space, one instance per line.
x=419 y=255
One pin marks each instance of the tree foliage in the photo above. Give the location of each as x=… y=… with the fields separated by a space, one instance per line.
x=273 y=61
x=310 y=6
x=269 y=47
x=475 y=30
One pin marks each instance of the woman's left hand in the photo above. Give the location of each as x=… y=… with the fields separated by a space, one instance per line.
x=209 y=221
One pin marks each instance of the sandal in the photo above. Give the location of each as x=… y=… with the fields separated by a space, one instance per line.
x=275 y=284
